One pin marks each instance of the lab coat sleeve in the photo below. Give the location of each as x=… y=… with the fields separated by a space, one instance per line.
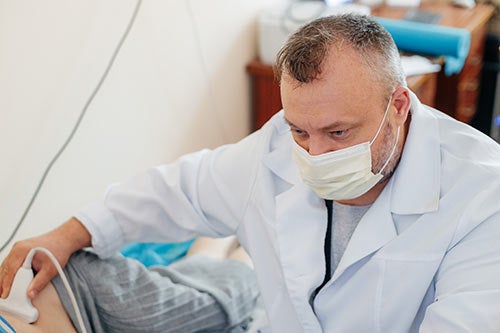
x=467 y=297
x=203 y=193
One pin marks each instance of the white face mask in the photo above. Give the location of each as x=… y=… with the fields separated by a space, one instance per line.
x=342 y=174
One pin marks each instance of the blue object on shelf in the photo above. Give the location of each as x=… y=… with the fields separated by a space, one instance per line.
x=430 y=39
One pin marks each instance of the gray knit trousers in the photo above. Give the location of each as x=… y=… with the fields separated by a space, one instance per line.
x=194 y=294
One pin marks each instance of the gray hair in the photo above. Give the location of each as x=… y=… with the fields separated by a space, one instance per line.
x=303 y=54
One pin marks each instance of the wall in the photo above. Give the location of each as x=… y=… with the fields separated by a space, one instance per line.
x=178 y=85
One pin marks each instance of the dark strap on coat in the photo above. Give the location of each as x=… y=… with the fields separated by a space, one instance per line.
x=328 y=246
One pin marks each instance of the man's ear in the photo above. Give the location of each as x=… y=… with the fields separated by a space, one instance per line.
x=402 y=103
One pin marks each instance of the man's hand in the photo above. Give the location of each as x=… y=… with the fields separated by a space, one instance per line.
x=62 y=242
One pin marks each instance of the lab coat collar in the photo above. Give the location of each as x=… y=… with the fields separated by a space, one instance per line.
x=374 y=230
x=415 y=183
x=301 y=218
x=300 y=228
x=279 y=160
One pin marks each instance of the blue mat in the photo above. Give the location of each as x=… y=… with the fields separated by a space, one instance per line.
x=153 y=254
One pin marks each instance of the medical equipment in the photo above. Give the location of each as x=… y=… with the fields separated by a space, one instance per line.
x=277 y=23
x=5 y=326
x=18 y=302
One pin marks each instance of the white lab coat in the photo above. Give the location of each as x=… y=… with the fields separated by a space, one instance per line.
x=424 y=258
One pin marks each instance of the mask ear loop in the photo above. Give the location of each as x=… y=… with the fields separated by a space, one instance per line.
x=382 y=122
x=392 y=151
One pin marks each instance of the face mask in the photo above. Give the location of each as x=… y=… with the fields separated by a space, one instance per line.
x=342 y=174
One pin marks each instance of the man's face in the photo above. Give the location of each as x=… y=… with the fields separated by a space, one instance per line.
x=341 y=108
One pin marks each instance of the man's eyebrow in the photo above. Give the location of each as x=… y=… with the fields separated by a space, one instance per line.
x=332 y=126
x=290 y=123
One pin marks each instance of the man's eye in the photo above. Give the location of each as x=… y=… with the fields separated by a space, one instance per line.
x=338 y=133
x=298 y=131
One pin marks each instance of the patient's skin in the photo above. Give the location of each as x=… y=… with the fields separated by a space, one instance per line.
x=52 y=318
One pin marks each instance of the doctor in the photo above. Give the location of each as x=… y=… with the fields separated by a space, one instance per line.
x=362 y=209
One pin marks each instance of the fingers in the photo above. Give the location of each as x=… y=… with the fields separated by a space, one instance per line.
x=10 y=266
x=46 y=271
x=5 y=281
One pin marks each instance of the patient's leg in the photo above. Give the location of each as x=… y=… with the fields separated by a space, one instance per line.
x=194 y=294
x=52 y=318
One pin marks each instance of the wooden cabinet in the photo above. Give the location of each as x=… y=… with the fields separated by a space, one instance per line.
x=455 y=95
x=464 y=87
x=266 y=98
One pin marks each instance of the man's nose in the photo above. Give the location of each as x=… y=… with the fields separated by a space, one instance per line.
x=318 y=146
